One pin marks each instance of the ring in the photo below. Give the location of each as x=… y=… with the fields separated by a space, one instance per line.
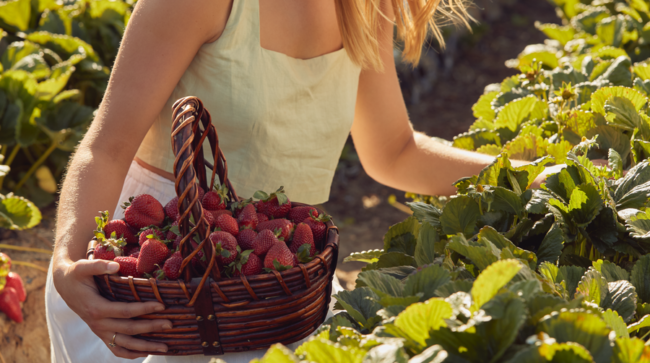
x=112 y=343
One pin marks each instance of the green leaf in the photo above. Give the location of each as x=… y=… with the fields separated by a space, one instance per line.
x=381 y=284
x=483 y=108
x=554 y=352
x=508 y=315
x=64 y=45
x=460 y=216
x=426 y=281
x=623 y=298
x=491 y=280
x=622 y=114
x=630 y=350
x=402 y=237
x=361 y=304
x=419 y=319
x=644 y=322
x=16 y=14
x=610 y=30
x=571 y=275
x=640 y=278
x=563 y=34
x=393 y=259
x=593 y=287
x=426 y=213
x=453 y=287
x=325 y=351
x=277 y=353
x=615 y=322
x=433 y=354
x=585 y=204
x=581 y=327
x=610 y=271
x=425 y=246
x=18 y=213
x=615 y=161
x=516 y=112
x=488 y=235
x=482 y=255
x=604 y=94
x=474 y=139
x=638 y=225
x=551 y=247
x=46 y=90
x=386 y=353
x=619 y=73
x=365 y=256
x=642 y=70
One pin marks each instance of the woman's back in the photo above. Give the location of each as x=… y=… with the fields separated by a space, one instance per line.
x=282 y=120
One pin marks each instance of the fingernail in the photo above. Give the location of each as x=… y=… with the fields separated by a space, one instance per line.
x=113 y=267
x=167 y=326
x=159 y=308
x=162 y=350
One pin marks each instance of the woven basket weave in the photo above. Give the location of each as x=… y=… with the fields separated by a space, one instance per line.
x=211 y=314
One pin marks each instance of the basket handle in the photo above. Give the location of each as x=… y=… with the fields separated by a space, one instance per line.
x=191 y=125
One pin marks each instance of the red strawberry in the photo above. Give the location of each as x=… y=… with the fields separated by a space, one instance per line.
x=177 y=242
x=172 y=267
x=318 y=227
x=303 y=235
x=296 y=262
x=299 y=214
x=215 y=199
x=264 y=241
x=247 y=217
x=150 y=231
x=246 y=238
x=224 y=241
x=107 y=249
x=212 y=215
x=261 y=217
x=227 y=223
x=13 y=280
x=274 y=205
x=262 y=207
x=171 y=209
x=131 y=250
x=121 y=229
x=10 y=304
x=143 y=211
x=128 y=266
x=279 y=258
x=238 y=206
x=152 y=252
x=248 y=265
x=285 y=227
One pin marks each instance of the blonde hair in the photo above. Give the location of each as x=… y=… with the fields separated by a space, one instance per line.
x=359 y=26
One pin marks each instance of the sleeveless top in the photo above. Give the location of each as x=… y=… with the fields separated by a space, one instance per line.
x=281 y=121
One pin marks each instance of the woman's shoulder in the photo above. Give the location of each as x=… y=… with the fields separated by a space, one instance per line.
x=206 y=18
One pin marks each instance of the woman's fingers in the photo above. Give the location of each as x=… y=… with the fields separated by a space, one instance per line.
x=122 y=352
x=133 y=327
x=123 y=310
x=140 y=345
x=83 y=268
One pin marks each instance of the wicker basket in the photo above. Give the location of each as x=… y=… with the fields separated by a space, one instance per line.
x=211 y=314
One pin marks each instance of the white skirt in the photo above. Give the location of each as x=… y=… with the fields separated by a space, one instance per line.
x=72 y=340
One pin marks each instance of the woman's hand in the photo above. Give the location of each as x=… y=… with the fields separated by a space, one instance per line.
x=74 y=282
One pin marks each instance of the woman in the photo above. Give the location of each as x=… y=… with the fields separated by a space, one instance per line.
x=286 y=81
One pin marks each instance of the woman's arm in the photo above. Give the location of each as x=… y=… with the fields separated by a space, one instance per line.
x=160 y=41
x=390 y=151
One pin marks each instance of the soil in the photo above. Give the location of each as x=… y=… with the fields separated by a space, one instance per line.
x=358 y=204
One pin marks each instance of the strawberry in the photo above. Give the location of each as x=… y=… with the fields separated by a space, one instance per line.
x=299 y=214
x=107 y=249
x=171 y=208
x=215 y=199
x=264 y=241
x=238 y=206
x=119 y=226
x=248 y=264
x=247 y=217
x=13 y=280
x=283 y=225
x=226 y=247
x=303 y=235
x=143 y=211
x=177 y=242
x=152 y=252
x=228 y=224
x=131 y=249
x=128 y=266
x=261 y=217
x=10 y=304
x=262 y=208
x=274 y=205
x=245 y=239
x=150 y=231
x=172 y=267
x=318 y=227
x=212 y=215
x=279 y=258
